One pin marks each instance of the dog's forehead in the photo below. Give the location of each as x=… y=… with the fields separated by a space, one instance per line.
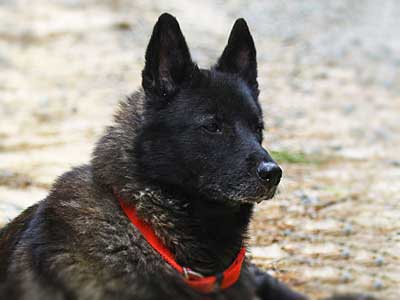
x=234 y=95
x=225 y=95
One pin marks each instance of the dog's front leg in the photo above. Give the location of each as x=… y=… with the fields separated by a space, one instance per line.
x=269 y=288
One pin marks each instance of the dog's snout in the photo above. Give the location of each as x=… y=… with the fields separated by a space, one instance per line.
x=269 y=172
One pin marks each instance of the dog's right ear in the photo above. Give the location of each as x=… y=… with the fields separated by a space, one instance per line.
x=168 y=61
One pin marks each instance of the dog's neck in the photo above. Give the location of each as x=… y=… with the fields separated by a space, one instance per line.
x=204 y=235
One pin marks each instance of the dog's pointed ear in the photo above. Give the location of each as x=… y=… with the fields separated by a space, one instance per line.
x=239 y=56
x=168 y=61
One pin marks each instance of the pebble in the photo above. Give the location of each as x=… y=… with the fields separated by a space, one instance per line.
x=336 y=147
x=346 y=277
x=287 y=232
x=348 y=229
x=309 y=199
x=345 y=253
x=395 y=163
x=379 y=261
x=378 y=284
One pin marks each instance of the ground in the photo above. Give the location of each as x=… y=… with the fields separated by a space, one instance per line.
x=330 y=90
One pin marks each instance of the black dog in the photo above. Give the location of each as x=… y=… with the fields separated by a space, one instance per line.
x=163 y=209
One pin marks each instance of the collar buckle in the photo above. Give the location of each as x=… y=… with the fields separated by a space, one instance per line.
x=190 y=274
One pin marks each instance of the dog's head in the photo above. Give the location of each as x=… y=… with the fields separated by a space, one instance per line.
x=203 y=129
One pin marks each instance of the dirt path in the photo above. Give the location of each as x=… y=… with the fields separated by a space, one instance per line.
x=330 y=91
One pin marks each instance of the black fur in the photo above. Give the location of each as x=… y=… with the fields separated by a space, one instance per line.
x=185 y=151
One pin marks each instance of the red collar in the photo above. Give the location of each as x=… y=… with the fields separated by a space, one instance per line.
x=195 y=280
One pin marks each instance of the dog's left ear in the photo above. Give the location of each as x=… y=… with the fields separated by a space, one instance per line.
x=239 y=56
x=168 y=61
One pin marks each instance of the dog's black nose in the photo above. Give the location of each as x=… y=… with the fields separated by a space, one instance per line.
x=269 y=172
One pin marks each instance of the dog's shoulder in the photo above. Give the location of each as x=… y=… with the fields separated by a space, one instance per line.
x=74 y=204
x=77 y=237
x=78 y=211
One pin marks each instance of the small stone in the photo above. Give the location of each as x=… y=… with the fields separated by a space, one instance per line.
x=379 y=261
x=346 y=277
x=395 y=163
x=287 y=232
x=336 y=147
x=345 y=253
x=378 y=284
x=122 y=25
x=348 y=229
x=309 y=200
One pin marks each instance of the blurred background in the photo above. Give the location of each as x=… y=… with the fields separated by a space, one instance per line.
x=330 y=90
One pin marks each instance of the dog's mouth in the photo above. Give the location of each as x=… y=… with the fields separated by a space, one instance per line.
x=246 y=195
x=264 y=195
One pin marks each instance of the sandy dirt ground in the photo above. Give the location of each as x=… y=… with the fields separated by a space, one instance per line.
x=329 y=75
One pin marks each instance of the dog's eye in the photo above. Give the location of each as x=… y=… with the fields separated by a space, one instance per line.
x=212 y=127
